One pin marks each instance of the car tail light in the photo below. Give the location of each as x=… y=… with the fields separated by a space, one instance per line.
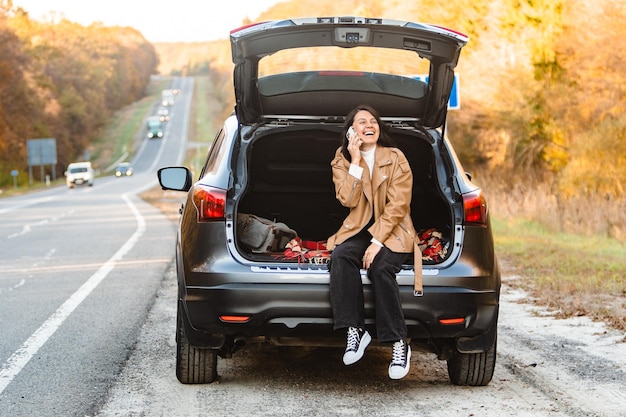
x=475 y=207
x=210 y=203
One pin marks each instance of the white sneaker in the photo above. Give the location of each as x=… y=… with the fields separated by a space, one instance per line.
x=400 y=360
x=358 y=339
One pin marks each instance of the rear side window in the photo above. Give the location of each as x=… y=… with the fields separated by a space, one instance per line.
x=216 y=150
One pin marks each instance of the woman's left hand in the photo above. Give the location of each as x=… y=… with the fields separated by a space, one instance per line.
x=370 y=254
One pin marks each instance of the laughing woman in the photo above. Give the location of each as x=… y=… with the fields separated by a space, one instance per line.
x=374 y=180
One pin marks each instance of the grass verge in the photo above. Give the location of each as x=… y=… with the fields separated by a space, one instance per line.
x=121 y=138
x=573 y=274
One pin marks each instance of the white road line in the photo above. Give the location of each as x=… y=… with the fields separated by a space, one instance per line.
x=16 y=286
x=18 y=360
x=26 y=204
x=29 y=227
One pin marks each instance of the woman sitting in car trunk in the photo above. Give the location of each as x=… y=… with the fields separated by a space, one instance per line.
x=374 y=180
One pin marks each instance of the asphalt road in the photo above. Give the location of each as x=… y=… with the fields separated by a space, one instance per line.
x=79 y=271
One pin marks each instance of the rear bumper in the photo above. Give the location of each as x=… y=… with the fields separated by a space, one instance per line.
x=79 y=181
x=303 y=311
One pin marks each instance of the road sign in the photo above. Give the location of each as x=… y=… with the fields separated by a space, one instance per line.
x=42 y=151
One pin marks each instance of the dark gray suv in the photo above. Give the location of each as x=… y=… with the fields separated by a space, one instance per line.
x=295 y=81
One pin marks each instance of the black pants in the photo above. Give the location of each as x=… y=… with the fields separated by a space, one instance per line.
x=346 y=288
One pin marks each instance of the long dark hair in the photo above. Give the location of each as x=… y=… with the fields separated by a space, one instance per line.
x=384 y=139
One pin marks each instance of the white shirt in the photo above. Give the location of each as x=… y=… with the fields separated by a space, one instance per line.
x=369 y=157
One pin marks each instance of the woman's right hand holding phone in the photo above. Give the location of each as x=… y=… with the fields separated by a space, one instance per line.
x=354 y=145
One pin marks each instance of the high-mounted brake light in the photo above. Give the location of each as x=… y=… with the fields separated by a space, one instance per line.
x=475 y=207
x=456 y=32
x=210 y=203
x=239 y=29
x=341 y=73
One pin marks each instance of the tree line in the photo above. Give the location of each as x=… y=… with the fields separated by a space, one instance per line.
x=62 y=80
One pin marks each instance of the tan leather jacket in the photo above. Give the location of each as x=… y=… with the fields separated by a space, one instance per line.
x=388 y=193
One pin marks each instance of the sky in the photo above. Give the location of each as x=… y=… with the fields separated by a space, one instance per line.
x=157 y=20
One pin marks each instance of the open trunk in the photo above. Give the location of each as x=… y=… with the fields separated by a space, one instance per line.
x=290 y=181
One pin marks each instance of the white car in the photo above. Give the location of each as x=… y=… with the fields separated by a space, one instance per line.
x=78 y=173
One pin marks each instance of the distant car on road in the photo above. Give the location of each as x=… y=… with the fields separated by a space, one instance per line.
x=164 y=114
x=125 y=169
x=167 y=98
x=154 y=127
x=79 y=173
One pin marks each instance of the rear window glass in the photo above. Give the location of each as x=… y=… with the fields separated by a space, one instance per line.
x=324 y=58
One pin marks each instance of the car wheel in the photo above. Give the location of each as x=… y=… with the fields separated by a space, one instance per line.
x=473 y=369
x=193 y=365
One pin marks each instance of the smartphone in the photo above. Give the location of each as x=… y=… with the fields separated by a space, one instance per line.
x=350 y=132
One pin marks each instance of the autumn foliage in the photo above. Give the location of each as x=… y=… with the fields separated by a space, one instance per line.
x=542 y=124
x=62 y=80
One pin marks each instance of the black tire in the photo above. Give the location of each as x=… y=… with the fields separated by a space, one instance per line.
x=193 y=365
x=473 y=369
